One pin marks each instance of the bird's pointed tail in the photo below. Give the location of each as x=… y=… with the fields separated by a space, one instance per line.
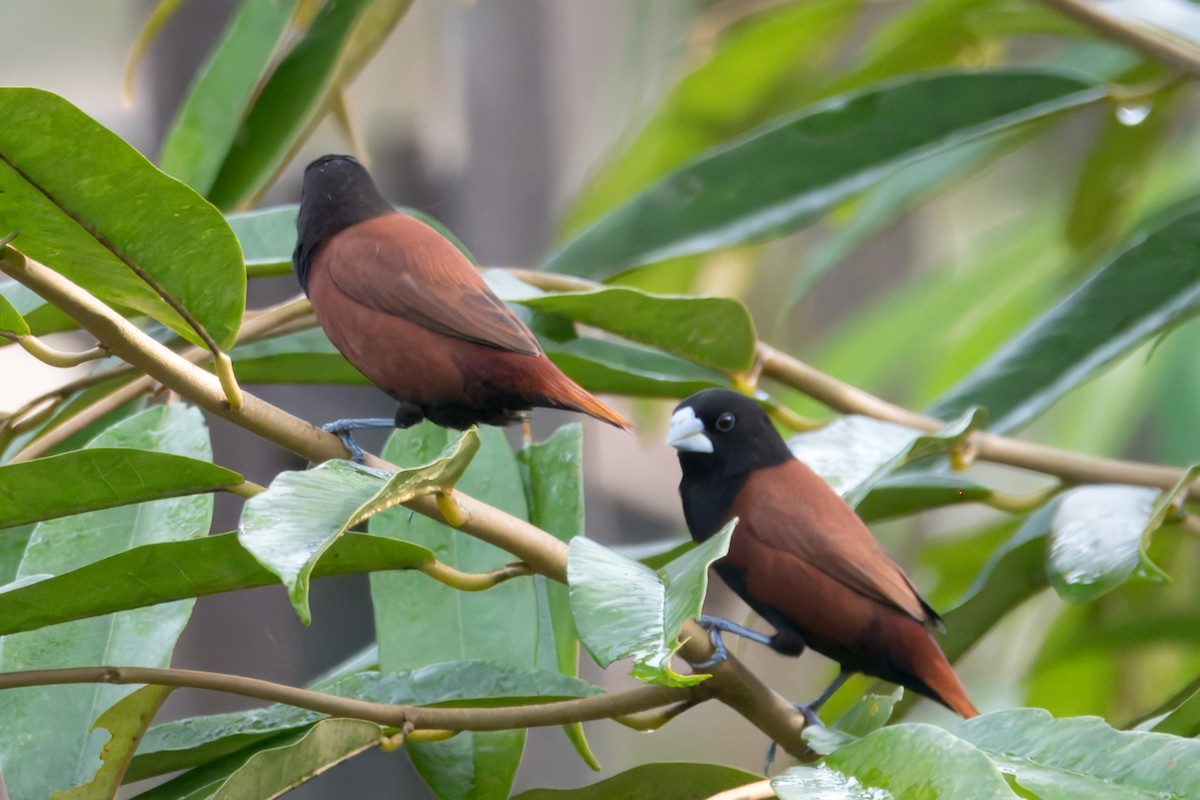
x=559 y=391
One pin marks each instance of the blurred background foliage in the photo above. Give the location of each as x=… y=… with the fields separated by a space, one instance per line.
x=980 y=165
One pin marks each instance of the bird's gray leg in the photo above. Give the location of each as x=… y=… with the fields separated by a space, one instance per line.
x=342 y=427
x=714 y=626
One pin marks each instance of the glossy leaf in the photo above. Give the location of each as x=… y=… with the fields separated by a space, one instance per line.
x=714 y=332
x=603 y=366
x=340 y=39
x=626 y=610
x=49 y=744
x=11 y=320
x=125 y=723
x=792 y=170
x=224 y=89
x=674 y=781
x=853 y=452
x=268 y=237
x=158 y=573
x=899 y=761
x=418 y=622
x=1143 y=290
x=128 y=234
x=1095 y=541
x=87 y=480
x=301 y=514
x=554 y=483
x=1059 y=759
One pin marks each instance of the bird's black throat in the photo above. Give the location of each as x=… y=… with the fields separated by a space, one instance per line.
x=337 y=194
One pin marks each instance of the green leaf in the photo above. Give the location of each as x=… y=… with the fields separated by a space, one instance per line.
x=1140 y=292
x=224 y=89
x=1058 y=759
x=794 y=169
x=268 y=237
x=714 y=332
x=274 y=770
x=341 y=38
x=554 y=481
x=901 y=761
x=158 y=573
x=306 y=357
x=626 y=610
x=40 y=316
x=129 y=234
x=301 y=514
x=616 y=367
x=11 y=320
x=87 y=480
x=904 y=493
x=672 y=781
x=12 y=550
x=1096 y=536
x=126 y=722
x=418 y=622
x=853 y=452
x=49 y=744
x=768 y=60
x=1184 y=719
x=869 y=714
x=187 y=743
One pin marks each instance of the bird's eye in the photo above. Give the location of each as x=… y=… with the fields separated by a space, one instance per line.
x=725 y=422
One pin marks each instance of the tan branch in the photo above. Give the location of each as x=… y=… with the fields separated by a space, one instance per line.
x=1140 y=37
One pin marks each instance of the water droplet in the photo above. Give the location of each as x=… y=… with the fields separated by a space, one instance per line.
x=1134 y=114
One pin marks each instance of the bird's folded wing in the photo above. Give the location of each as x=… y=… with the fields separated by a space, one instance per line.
x=400 y=266
x=798 y=513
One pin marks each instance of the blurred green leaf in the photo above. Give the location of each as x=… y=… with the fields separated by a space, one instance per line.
x=158 y=573
x=869 y=714
x=1096 y=539
x=603 y=366
x=129 y=234
x=418 y=622
x=1084 y=757
x=40 y=316
x=626 y=610
x=768 y=60
x=673 y=781
x=11 y=320
x=290 y=104
x=301 y=514
x=306 y=357
x=224 y=90
x=904 y=493
x=1184 y=719
x=125 y=722
x=853 y=452
x=49 y=744
x=87 y=480
x=901 y=761
x=798 y=167
x=714 y=332
x=554 y=483
x=1151 y=285
x=187 y=743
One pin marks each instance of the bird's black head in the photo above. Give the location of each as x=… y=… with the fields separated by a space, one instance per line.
x=722 y=434
x=337 y=193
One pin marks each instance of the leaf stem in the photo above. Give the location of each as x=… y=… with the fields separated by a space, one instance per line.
x=471 y=581
x=501 y=718
x=52 y=356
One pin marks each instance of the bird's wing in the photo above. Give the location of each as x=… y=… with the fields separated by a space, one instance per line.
x=401 y=266
x=789 y=508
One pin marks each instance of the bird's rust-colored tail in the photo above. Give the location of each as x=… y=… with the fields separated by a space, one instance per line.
x=560 y=391
x=939 y=676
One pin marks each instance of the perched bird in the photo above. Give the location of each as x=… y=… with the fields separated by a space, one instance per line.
x=800 y=556
x=411 y=312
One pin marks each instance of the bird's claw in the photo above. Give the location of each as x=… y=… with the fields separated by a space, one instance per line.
x=341 y=428
x=810 y=715
x=720 y=651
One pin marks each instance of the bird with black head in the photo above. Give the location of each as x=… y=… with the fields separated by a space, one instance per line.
x=800 y=556
x=412 y=314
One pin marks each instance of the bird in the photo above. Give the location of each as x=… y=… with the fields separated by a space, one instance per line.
x=411 y=313
x=800 y=557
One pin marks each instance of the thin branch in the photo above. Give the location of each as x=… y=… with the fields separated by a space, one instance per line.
x=1069 y=466
x=1136 y=35
x=731 y=682
x=53 y=356
x=561 y=712
x=473 y=581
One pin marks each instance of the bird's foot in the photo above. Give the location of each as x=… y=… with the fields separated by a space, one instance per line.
x=810 y=714
x=342 y=427
x=720 y=651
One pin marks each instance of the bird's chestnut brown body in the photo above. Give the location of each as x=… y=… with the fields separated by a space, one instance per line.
x=803 y=560
x=410 y=312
